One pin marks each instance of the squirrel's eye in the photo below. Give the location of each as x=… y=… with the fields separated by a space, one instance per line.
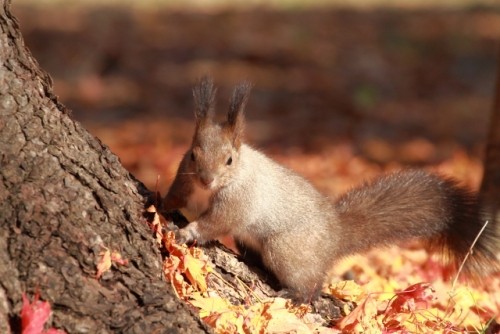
x=229 y=161
x=192 y=156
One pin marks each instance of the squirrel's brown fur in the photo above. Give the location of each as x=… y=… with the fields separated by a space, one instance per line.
x=235 y=190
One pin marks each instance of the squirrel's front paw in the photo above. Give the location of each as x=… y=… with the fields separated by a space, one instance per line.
x=184 y=236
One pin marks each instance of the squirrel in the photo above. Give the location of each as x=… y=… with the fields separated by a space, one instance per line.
x=235 y=190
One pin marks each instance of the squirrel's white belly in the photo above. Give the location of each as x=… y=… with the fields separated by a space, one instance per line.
x=197 y=202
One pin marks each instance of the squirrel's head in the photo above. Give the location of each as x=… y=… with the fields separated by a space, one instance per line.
x=215 y=152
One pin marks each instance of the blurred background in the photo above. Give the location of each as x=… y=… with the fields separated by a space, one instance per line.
x=343 y=89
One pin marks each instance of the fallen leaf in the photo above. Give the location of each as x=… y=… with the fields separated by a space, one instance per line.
x=117 y=258
x=107 y=259
x=362 y=319
x=208 y=306
x=104 y=263
x=155 y=224
x=34 y=316
x=347 y=290
x=196 y=271
x=416 y=295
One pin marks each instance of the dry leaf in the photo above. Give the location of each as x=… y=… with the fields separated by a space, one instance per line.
x=34 y=316
x=107 y=259
x=104 y=263
x=348 y=290
x=362 y=319
x=196 y=271
x=117 y=258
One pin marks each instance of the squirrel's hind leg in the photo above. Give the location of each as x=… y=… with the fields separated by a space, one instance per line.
x=301 y=279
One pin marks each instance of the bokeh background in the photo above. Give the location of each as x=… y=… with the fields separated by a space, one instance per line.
x=343 y=89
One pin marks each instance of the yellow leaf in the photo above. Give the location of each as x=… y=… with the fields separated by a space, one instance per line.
x=257 y=317
x=283 y=321
x=209 y=306
x=348 y=290
x=196 y=272
x=104 y=263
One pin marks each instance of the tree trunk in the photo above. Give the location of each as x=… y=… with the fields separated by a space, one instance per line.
x=490 y=187
x=64 y=198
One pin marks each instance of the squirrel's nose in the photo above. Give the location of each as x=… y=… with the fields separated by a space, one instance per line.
x=206 y=179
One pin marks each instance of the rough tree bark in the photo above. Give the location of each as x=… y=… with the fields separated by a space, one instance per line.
x=63 y=198
x=490 y=187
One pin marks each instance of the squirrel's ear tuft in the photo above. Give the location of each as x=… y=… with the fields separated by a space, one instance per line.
x=235 y=116
x=204 y=99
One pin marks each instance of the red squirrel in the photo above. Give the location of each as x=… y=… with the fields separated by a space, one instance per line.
x=233 y=189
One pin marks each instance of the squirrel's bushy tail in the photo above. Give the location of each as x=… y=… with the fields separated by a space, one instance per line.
x=469 y=235
x=415 y=203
